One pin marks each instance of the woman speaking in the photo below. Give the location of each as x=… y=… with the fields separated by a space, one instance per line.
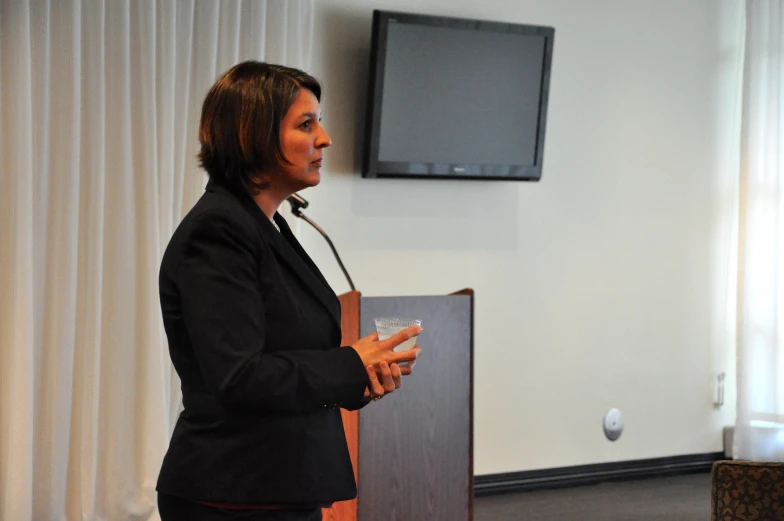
x=252 y=325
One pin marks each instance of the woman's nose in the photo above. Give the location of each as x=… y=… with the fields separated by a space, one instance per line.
x=323 y=140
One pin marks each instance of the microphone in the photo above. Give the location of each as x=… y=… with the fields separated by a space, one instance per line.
x=299 y=203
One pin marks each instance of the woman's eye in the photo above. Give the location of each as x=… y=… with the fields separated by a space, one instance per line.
x=306 y=125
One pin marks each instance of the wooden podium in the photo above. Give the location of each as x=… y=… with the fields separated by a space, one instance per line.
x=412 y=451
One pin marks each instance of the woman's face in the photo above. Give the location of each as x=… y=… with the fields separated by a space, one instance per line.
x=302 y=139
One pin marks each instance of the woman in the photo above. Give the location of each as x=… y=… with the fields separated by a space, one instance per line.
x=253 y=326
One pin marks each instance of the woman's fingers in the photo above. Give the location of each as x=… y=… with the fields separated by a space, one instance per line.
x=376 y=389
x=391 y=379
x=397 y=375
x=409 y=355
x=373 y=351
x=403 y=335
x=386 y=377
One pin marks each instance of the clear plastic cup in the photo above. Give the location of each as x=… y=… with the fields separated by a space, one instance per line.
x=386 y=327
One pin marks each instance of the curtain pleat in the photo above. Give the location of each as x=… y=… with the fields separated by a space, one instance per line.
x=17 y=325
x=99 y=108
x=759 y=432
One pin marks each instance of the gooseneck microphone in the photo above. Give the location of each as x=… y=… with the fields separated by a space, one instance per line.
x=299 y=203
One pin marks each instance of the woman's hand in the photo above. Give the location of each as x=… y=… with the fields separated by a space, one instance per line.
x=391 y=379
x=373 y=351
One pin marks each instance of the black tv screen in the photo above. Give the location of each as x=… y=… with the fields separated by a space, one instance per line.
x=456 y=98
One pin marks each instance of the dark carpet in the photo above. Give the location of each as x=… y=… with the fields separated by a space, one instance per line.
x=672 y=498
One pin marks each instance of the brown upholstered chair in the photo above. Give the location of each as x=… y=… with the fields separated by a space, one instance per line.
x=747 y=491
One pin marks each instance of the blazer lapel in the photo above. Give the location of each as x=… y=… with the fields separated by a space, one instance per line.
x=289 y=251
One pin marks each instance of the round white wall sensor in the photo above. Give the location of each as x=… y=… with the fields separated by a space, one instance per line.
x=613 y=424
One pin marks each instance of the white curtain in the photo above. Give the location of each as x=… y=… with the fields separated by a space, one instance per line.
x=99 y=109
x=759 y=433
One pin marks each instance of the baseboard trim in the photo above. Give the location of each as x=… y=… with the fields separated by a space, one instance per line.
x=489 y=484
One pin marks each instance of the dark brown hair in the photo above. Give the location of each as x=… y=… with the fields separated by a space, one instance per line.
x=240 y=122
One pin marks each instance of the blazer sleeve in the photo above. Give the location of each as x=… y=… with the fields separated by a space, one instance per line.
x=223 y=312
x=355 y=405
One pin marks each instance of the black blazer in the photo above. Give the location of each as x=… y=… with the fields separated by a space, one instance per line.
x=254 y=334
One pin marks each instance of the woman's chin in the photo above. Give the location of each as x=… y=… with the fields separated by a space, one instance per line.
x=304 y=180
x=313 y=178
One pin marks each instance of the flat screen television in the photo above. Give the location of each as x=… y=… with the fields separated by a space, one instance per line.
x=456 y=98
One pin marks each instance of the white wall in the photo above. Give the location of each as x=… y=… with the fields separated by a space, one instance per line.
x=600 y=286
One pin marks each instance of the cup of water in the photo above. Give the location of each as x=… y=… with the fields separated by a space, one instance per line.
x=386 y=327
